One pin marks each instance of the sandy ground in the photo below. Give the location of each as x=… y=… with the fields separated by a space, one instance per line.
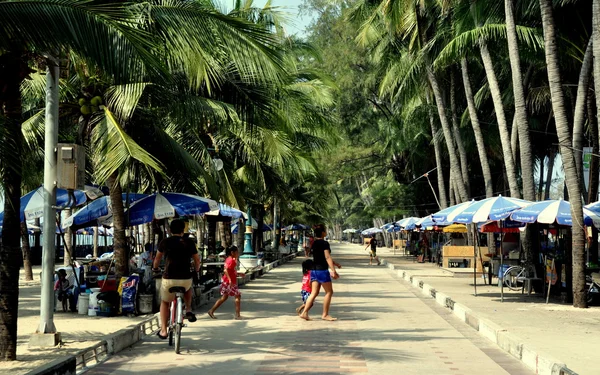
x=569 y=334
x=77 y=331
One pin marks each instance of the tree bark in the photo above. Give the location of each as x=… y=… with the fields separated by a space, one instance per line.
x=95 y=243
x=454 y=163
x=464 y=168
x=451 y=190
x=438 y=162
x=483 y=159
x=212 y=240
x=526 y=153
x=13 y=71
x=68 y=242
x=595 y=162
x=120 y=248
x=564 y=137
x=579 y=112
x=26 y=249
x=509 y=162
x=551 y=159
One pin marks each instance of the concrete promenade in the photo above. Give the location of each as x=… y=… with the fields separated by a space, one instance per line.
x=556 y=330
x=385 y=326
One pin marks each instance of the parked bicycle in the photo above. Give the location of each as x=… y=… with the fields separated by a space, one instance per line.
x=592 y=283
x=514 y=277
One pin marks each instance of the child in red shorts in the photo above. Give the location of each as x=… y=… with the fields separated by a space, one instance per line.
x=229 y=285
x=307 y=265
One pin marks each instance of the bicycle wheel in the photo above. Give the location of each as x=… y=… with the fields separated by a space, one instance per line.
x=170 y=336
x=513 y=278
x=177 y=335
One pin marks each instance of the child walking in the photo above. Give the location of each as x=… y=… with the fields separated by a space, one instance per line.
x=229 y=286
x=307 y=265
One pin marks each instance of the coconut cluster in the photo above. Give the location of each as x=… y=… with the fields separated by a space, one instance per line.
x=91 y=106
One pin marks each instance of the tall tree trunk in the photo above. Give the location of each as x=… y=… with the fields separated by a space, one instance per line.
x=454 y=163
x=240 y=235
x=37 y=234
x=222 y=234
x=212 y=236
x=483 y=159
x=509 y=162
x=464 y=169
x=451 y=190
x=227 y=239
x=551 y=159
x=579 y=112
x=68 y=242
x=526 y=153
x=595 y=162
x=120 y=248
x=438 y=161
x=564 y=138
x=95 y=243
x=13 y=71
x=26 y=249
x=541 y=180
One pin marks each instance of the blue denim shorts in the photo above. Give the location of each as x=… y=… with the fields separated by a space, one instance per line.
x=320 y=276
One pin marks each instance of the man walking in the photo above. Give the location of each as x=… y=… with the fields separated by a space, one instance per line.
x=178 y=252
x=373 y=254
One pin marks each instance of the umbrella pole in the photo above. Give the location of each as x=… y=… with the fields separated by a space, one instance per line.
x=475 y=259
x=501 y=263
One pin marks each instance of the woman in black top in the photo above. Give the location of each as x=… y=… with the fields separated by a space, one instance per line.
x=321 y=274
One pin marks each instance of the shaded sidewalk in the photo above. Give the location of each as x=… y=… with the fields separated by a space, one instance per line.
x=568 y=334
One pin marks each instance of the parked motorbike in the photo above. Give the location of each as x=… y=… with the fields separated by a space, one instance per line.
x=592 y=283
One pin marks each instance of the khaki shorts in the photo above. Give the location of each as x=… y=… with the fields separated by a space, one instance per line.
x=168 y=284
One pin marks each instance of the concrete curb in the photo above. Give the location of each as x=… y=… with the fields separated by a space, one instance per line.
x=537 y=361
x=116 y=342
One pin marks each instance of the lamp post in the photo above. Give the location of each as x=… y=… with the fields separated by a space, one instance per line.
x=248 y=259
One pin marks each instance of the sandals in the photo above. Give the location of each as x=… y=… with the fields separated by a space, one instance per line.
x=212 y=315
x=190 y=317
x=160 y=336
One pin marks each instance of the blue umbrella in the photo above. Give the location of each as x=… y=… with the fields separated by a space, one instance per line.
x=495 y=208
x=32 y=203
x=370 y=231
x=165 y=205
x=407 y=223
x=428 y=221
x=546 y=212
x=225 y=210
x=391 y=227
x=442 y=216
x=98 y=212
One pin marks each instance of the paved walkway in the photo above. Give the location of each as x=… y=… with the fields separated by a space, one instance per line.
x=385 y=327
x=569 y=334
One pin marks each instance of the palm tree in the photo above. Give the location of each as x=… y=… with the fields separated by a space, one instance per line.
x=485 y=165
x=564 y=136
x=520 y=104
x=24 y=29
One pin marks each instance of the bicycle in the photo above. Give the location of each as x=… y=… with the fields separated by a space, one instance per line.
x=176 y=322
x=514 y=277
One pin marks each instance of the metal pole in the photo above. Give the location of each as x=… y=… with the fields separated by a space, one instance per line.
x=48 y=253
x=275 y=244
x=475 y=259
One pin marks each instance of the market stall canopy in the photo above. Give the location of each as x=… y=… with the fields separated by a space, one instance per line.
x=350 y=230
x=166 y=205
x=408 y=223
x=98 y=212
x=391 y=227
x=370 y=231
x=495 y=208
x=591 y=214
x=442 y=216
x=32 y=203
x=428 y=222
x=505 y=226
x=102 y=231
x=545 y=212
x=455 y=228
x=225 y=210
